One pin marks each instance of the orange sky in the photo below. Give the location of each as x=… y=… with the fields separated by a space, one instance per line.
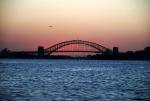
x=123 y=23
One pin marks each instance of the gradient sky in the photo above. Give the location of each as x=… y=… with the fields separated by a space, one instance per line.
x=123 y=23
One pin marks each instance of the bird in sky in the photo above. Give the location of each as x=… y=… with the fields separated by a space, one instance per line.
x=50 y=26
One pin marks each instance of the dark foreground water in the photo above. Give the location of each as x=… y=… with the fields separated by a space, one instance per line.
x=74 y=80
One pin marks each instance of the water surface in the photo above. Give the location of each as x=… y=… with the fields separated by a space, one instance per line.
x=74 y=80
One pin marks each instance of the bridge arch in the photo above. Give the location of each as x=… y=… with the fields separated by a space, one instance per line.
x=54 y=48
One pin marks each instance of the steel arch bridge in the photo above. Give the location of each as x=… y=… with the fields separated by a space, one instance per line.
x=57 y=47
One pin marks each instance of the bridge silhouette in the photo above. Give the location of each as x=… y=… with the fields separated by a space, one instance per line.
x=76 y=46
x=72 y=46
x=89 y=50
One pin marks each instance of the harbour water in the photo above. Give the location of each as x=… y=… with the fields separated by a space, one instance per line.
x=74 y=80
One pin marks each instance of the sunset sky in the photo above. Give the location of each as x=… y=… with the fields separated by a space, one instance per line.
x=24 y=24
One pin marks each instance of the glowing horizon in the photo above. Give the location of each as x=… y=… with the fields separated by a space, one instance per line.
x=122 y=23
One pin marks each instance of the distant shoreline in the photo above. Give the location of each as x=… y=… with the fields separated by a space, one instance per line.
x=108 y=55
x=76 y=59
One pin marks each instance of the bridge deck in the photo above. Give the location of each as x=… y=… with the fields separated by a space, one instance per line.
x=80 y=51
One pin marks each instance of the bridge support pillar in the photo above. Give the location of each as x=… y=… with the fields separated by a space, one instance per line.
x=40 y=51
x=115 y=51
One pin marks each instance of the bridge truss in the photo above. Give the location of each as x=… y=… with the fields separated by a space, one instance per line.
x=76 y=47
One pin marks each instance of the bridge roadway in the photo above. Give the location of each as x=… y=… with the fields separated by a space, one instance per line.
x=79 y=51
x=35 y=52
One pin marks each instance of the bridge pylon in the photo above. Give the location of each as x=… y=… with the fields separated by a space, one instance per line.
x=40 y=51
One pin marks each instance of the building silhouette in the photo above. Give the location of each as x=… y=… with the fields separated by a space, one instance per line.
x=147 y=50
x=40 y=51
x=115 y=51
